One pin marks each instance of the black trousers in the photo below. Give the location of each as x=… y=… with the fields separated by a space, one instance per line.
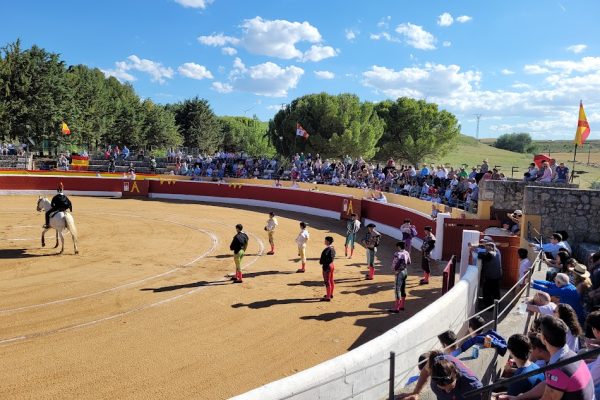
x=490 y=291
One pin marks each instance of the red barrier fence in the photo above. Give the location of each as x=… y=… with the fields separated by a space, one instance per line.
x=449 y=275
x=394 y=215
x=73 y=184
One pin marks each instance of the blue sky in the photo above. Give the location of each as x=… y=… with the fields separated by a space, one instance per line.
x=522 y=65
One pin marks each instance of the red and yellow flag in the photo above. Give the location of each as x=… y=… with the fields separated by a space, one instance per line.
x=300 y=131
x=65 y=129
x=583 y=128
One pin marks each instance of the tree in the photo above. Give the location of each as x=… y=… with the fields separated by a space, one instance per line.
x=518 y=142
x=416 y=130
x=337 y=125
x=32 y=92
x=198 y=124
x=159 y=128
x=246 y=134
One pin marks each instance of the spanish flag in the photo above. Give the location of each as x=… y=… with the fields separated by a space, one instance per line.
x=65 y=129
x=583 y=128
x=300 y=131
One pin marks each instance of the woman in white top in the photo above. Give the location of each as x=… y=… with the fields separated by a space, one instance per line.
x=569 y=317
x=301 y=241
x=524 y=264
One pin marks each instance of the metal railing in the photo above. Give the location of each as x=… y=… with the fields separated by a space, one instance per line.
x=391 y=379
x=487 y=390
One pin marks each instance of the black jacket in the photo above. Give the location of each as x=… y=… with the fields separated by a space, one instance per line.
x=239 y=242
x=327 y=257
x=61 y=202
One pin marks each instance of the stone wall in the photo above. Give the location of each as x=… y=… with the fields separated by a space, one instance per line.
x=574 y=211
x=509 y=195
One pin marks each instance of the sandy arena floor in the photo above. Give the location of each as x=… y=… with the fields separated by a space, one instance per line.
x=145 y=310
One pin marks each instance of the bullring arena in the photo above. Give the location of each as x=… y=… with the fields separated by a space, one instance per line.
x=146 y=310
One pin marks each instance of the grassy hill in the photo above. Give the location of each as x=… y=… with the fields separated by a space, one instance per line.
x=471 y=152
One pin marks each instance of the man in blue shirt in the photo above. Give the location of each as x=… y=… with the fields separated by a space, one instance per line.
x=519 y=347
x=552 y=247
x=562 y=173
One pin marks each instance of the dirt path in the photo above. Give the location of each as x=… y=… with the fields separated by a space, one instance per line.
x=145 y=310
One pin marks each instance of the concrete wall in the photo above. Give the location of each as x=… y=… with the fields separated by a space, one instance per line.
x=574 y=211
x=509 y=195
x=363 y=372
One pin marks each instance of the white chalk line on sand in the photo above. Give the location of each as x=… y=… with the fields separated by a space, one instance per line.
x=134 y=310
x=214 y=240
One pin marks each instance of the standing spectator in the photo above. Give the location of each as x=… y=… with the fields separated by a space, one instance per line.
x=326 y=261
x=595 y=270
x=399 y=266
x=491 y=274
x=371 y=242
x=352 y=228
x=426 y=249
x=301 y=241
x=239 y=244
x=524 y=264
x=270 y=228
x=484 y=167
x=125 y=152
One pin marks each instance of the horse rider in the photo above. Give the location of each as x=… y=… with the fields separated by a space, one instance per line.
x=60 y=202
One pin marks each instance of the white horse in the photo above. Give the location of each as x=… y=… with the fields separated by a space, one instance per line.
x=60 y=221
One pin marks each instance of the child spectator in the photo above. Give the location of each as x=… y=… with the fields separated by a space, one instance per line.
x=489 y=338
x=519 y=350
x=448 y=340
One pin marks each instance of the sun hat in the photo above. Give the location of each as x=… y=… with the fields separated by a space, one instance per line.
x=581 y=270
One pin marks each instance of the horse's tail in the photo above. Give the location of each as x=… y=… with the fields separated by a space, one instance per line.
x=71 y=225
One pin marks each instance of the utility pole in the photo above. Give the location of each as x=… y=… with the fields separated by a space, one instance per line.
x=478 y=116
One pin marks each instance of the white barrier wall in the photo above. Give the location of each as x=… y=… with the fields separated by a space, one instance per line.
x=468 y=236
x=438 y=250
x=363 y=372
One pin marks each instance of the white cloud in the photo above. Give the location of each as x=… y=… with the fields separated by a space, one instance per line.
x=351 y=34
x=158 y=73
x=317 y=53
x=506 y=71
x=535 y=69
x=267 y=79
x=221 y=87
x=194 y=71
x=384 y=22
x=277 y=38
x=463 y=18
x=447 y=43
x=275 y=107
x=217 y=40
x=324 y=74
x=121 y=75
x=577 y=48
x=416 y=36
x=445 y=19
x=194 y=3
x=229 y=51
x=546 y=108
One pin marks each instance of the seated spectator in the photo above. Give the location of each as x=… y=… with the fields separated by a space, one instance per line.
x=564 y=290
x=478 y=337
x=519 y=350
x=571 y=381
x=546 y=173
x=561 y=174
x=515 y=219
x=595 y=270
x=593 y=321
x=531 y=174
x=448 y=341
x=582 y=282
x=566 y=313
x=379 y=196
x=552 y=247
x=541 y=303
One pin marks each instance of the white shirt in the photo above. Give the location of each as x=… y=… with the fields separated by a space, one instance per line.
x=302 y=238
x=547 y=309
x=524 y=266
x=271 y=224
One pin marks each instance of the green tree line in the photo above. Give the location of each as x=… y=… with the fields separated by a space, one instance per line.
x=38 y=91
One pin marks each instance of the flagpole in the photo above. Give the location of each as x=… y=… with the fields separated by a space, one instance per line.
x=574 y=156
